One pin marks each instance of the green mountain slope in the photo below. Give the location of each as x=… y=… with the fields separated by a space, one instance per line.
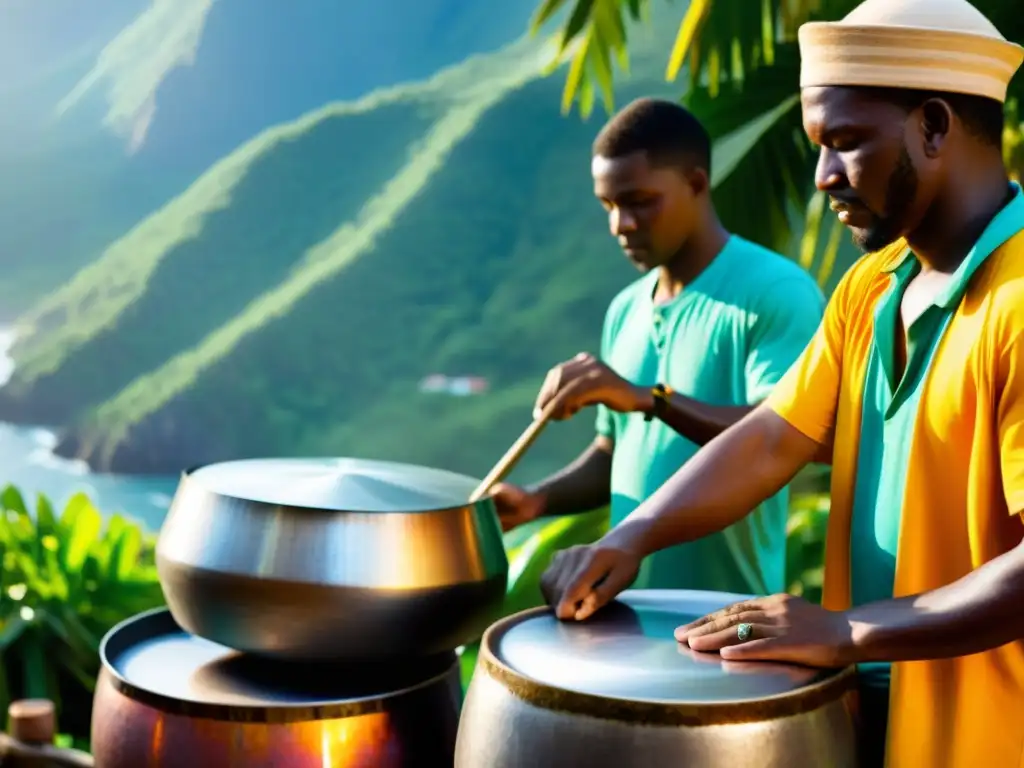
x=292 y=298
x=107 y=113
x=192 y=266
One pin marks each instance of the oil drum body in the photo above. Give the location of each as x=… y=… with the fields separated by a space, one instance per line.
x=166 y=699
x=618 y=691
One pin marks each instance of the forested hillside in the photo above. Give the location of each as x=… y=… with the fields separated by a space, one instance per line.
x=110 y=109
x=291 y=298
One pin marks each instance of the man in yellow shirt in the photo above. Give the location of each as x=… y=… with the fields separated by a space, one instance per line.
x=914 y=385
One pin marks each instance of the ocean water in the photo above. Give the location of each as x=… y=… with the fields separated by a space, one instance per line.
x=27 y=461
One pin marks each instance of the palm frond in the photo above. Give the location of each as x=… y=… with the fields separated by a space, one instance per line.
x=768 y=182
x=1013 y=140
x=762 y=164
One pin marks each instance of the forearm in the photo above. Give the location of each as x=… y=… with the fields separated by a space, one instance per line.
x=698 y=422
x=723 y=483
x=583 y=485
x=701 y=423
x=976 y=613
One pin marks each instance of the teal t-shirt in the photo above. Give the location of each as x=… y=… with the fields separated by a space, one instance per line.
x=726 y=339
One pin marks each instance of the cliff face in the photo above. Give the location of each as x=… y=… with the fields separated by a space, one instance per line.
x=290 y=297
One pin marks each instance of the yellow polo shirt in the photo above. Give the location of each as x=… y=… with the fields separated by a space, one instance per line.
x=962 y=478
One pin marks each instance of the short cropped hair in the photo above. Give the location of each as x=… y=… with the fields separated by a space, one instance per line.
x=667 y=132
x=982 y=117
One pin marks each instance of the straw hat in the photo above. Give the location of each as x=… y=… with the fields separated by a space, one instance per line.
x=933 y=45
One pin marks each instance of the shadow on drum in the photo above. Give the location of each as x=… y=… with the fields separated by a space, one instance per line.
x=245 y=679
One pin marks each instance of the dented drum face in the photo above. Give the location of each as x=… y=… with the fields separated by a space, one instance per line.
x=167 y=699
x=618 y=690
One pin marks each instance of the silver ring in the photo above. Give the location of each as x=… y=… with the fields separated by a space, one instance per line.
x=743 y=632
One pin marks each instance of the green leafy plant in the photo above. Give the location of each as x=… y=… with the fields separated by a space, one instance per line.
x=64 y=582
x=805 y=544
x=1013 y=140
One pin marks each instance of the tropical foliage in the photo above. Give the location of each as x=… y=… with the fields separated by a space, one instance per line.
x=741 y=64
x=65 y=581
x=805 y=544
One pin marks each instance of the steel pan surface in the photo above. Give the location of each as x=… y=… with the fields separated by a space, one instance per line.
x=331 y=558
x=166 y=698
x=628 y=651
x=617 y=690
x=338 y=484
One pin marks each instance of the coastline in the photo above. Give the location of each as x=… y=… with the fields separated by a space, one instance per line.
x=28 y=461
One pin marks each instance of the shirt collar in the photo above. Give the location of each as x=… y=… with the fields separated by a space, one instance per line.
x=1007 y=223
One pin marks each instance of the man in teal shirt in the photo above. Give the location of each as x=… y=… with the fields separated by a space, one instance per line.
x=687 y=350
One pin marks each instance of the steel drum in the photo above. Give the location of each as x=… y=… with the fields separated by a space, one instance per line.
x=166 y=699
x=331 y=558
x=618 y=690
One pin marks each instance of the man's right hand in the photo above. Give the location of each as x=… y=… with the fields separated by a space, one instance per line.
x=516 y=505
x=584 y=578
x=585 y=381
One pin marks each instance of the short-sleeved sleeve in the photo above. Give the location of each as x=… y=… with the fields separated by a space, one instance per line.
x=808 y=394
x=785 y=320
x=604 y=424
x=1010 y=425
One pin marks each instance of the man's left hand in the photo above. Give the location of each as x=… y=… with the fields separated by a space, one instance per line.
x=781 y=628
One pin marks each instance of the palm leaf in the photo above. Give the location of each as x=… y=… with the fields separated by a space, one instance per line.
x=693 y=20
x=1013 y=140
x=762 y=164
x=719 y=40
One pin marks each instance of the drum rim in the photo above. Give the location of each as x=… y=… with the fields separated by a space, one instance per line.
x=262 y=713
x=654 y=712
x=269 y=507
